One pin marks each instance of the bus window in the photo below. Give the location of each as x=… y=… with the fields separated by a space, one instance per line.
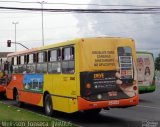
x=42 y=62
x=125 y=63
x=53 y=55
x=30 y=59
x=15 y=64
x=41 y=57
x=54 y=64
x=22 y=66
x=68 y=60
x=31 y=66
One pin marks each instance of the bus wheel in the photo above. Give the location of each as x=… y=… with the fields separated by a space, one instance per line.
x=3 y=96
x=18 y=103
x=48 y=105
x=92 y=111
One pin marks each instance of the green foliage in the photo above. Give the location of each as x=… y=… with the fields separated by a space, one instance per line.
x=11 y=115
x=157 y=62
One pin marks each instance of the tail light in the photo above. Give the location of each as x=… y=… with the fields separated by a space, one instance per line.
x=135 y=88
x=88 y=85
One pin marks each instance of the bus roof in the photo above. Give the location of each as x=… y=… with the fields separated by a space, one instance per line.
x=144 y=52
x=69 y=42
x=22 y=52
x=43 y=48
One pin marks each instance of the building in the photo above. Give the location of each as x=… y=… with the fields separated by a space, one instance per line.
x=4 y=54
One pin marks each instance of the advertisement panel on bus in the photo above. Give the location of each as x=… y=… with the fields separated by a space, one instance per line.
x=146 y=72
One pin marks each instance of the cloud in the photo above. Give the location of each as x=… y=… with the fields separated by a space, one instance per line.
x=144 y=28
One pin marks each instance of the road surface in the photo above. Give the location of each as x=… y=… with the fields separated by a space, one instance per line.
x=146 y=113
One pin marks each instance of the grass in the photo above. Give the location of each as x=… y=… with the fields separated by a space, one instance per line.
x=12 y=114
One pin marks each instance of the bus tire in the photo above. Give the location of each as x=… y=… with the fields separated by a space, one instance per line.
x=3 y=95
x=48 y=105
x=18 y=103
x=92 y=111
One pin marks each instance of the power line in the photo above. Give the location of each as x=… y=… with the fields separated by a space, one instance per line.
x=115 y=10
x=150 y=10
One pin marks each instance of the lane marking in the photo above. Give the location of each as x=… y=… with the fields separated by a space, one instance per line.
x=148 y=107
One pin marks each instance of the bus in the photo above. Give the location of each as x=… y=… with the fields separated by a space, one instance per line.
x=86 y=74
x=2 y=79
x=146 y=72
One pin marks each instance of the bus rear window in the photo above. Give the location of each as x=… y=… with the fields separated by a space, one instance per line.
x=125 y=62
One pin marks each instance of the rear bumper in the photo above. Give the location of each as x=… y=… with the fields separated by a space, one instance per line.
x=85 y=105
x=147 y=89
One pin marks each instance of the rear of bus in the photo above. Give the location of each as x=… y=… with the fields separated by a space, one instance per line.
x=146 y=69
x=108 y=76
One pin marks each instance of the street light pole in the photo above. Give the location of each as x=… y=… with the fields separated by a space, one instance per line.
x=15 y=23
x=42 y=22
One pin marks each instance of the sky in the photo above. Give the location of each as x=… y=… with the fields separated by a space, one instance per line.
x=57 y=26
x=143 y=28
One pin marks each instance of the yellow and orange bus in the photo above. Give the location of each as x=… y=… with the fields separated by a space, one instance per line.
x=85 y=74
x=2 y=79
x=2 y=84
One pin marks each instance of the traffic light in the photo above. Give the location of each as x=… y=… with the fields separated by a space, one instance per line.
x=8 y=43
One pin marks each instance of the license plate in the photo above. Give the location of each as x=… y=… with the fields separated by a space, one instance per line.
x=113 y=102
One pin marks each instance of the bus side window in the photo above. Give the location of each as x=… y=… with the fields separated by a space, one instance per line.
x=54 y=65
x=42 y=62
x=15 y=64
x=31 y=65
x=22 y=65
x=68 y=53
x=68 y=63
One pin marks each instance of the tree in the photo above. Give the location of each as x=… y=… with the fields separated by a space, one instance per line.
x=157 y=62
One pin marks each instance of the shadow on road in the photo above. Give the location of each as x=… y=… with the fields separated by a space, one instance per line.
x=145 y=101
x=82 y=119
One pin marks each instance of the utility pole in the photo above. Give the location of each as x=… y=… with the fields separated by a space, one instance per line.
x=42 y=22
x=15 y=23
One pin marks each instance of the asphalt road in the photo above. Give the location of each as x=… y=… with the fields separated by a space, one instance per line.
x=146 y=113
